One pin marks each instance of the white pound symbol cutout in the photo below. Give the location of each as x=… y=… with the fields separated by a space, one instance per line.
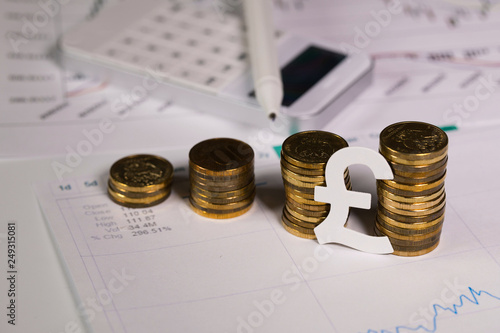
x=332 y=229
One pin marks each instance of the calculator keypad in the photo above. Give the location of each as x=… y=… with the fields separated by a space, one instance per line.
x=187 y=44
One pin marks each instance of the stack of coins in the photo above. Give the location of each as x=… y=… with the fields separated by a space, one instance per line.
x=139 y=181
x=411 y=206
x=221 y=175
x=303 y=159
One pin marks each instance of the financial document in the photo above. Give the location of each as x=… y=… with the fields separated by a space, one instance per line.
x=167 y=268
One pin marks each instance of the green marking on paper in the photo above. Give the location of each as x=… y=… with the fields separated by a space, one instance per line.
x=449 y=128
x=277 y=149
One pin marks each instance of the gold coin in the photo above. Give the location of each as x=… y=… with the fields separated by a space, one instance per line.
x=137 y=202
x=301 y=223
x=308 y=207
x=307 y=212
x=138 y=195
x=413 y=142
x=221 y=157
x=235 y=183
x=425 y=243
x=415 y=187
x=416 y=206
x=301 y=184
x=225 y=187
x=194 y=193
x=399 y=160
x=424 y=199
x=308 y=188
x=410 y=246
x=413 y=180
x=409 y=232
x=141 y=173
x=299 y=192
x=416 y=228
x=301 y=200
x=396 y=191
x=348 y=185
x=312 y=219
x=217 y=214
x=223 y=207
x=413 y=251
x=415 y=212
x=307 y=179
x=297 y=230
x=305 y=171
x=403 y=169
x=409 y=173
x=153 y=189
x=410 y=219
x=236 y=177
x=305 y=190
x=415 y=237
x=226 y=194
x=301 y=171
x=311 y=149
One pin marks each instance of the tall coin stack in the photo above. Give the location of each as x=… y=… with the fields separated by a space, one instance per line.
x=303 y=159
x=139 y=181
x=411 y=206
x=221 y=174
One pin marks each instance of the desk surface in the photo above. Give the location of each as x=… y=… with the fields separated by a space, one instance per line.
x=435 y=62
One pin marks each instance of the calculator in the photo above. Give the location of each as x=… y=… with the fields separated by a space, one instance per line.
x=195 y=53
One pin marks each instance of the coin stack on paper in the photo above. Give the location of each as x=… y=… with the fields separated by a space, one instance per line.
x=411 y=206
x=221 y=174
x=303 y=159
x=138 y=181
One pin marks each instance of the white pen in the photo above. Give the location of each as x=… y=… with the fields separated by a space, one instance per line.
x=263 y=57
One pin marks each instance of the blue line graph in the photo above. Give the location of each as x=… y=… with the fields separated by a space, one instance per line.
x=473 y=299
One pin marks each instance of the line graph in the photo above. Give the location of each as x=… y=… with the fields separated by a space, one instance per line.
x=473 y=298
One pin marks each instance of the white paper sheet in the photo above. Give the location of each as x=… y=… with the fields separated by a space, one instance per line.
x=227 y=284
x=182 y=272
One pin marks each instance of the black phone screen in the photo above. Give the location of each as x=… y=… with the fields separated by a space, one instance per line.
x=305 y=70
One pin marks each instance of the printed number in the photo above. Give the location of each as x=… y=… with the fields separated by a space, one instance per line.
x=332 y=229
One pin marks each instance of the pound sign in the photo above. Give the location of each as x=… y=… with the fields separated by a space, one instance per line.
x=332 y=229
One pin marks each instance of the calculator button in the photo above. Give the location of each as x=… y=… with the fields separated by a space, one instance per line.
x=187 y=76
x=145 y=29
x=162 y=67
x=160 y=18
x=168 y=35
x=138 y=60
x=152 y=47
x=175 y=55
x=128 y=40
x=242 y=56
x=227 y=69
x=214 y=82
x=176 y=8
x=113 y=51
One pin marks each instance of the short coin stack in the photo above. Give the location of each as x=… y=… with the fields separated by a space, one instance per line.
x=221 y=174
x=138 y=181
x=411 y=206
x=303 y=159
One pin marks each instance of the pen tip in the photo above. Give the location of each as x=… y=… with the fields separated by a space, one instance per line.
x=272 y=116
